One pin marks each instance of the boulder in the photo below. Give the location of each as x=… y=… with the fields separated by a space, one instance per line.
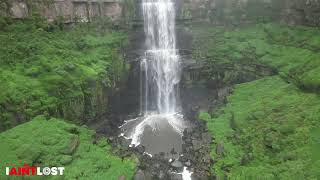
x=177 y=164
x=188 y=163
x=140 y=149
x=139 y=175
x=196 y=144
x=142 y=175
x=220 y=149
x=176 y=176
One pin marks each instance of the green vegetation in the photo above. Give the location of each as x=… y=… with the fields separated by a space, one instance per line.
x=52 y=70
x=269 y=129
x=292 y=51
x=47 y=143
x=56 y=71
x=266 y=132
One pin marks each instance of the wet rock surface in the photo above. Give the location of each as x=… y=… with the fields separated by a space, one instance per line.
x=196 y=150
x=195 y=156
x=156 y=167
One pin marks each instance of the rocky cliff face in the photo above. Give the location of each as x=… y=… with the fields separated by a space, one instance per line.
x=293 y=12
x=70 y=10
x=306 y=12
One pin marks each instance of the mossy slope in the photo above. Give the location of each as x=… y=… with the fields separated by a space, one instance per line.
x=269 y=127
x=65 y=73
x=267 y=131
x=292 y=51
x=54 y=142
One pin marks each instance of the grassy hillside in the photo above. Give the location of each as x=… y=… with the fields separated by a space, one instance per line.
x=269 y=128
x=56 y=70
x=53 y=142
x=266 y=131
x=292 y=51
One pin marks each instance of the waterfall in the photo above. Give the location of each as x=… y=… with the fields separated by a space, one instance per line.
x=161 y=62
x=160 y=76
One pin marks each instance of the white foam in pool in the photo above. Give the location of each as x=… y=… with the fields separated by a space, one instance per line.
x=186 y=174
x=154 y=121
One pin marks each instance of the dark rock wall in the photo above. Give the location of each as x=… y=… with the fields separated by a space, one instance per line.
x=293 y=12
x=90 y=104
x=305 y=12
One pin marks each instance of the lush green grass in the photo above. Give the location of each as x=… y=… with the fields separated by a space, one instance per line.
x=43 y=67
x=269 y=130
x=293 y=51
x=43 y=143
x=47 y=70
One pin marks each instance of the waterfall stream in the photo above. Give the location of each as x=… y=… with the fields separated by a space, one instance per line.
x=161 y=124
x=161 y=61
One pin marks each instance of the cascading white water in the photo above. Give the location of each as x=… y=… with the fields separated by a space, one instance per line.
x=161 y=62
x=160 y=70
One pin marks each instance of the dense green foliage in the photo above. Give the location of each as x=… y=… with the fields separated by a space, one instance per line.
x=270 y=127
x=292 y=51
x=54 y=70
x=47 y=143
x=45 y=68
x=266 y=131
